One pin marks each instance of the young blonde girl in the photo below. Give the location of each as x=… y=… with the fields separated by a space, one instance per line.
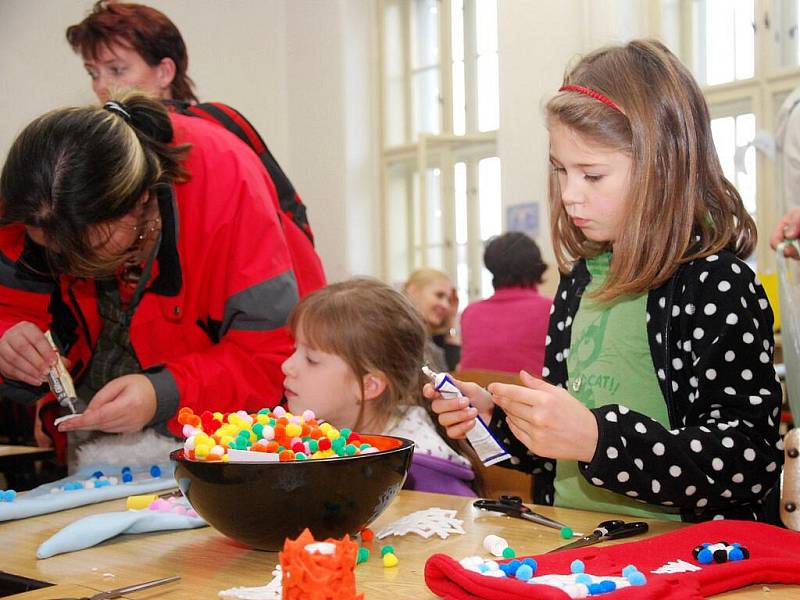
x=359 y=349
x=663 y=400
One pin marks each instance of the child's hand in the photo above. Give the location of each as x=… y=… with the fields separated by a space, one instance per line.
x=455 y=414
x=545 y=418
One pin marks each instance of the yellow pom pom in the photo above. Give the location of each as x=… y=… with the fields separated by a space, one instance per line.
x=293 y=430
x=140 y=502
x=390 y=560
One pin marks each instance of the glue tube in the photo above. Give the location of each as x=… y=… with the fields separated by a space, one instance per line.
x=486 y=446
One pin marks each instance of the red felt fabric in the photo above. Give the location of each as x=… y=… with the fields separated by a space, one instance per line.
x=774 y=558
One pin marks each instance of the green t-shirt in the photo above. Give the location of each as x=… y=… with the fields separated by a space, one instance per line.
x=609 y=362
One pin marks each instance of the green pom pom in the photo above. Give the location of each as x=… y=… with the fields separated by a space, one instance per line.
x=566 y=532
x=386 y=549
x=363 y=555
x=509 y=553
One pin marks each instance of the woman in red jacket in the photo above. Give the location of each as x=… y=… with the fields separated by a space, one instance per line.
x=141 y=239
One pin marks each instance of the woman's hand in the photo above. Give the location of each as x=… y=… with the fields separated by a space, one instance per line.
x=25 y=354
x=123 y=405
x=787 y=228
x=455 y=414
x=547 y=419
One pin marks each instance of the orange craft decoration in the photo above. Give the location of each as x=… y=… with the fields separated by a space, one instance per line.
x=319 y=570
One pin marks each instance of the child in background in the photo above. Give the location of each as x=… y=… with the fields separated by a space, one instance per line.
x=359 y=349
x=664 y=400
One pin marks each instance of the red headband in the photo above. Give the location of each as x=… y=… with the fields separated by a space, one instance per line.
x=592 y=94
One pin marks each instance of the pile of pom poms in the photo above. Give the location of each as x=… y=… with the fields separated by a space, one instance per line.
x=100 y=479
x=388 y=556
x=7 y=495
x=277 y=434
x=720 y=552
x=578 y=584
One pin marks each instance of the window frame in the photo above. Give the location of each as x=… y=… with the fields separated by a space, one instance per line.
x=442 y=150
x=763 y=92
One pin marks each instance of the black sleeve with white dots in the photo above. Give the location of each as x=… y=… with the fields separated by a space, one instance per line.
x=710 y=334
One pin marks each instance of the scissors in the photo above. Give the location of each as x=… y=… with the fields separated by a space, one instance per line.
x=607 y=530
x=513 y=507
x=117 y=593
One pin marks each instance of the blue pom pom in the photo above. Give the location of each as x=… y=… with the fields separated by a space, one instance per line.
x=628 y=570
x=531 y=562
x=735 y=554
x=637 y=578
x=607 y=586
x=583 y=578
x=524 y=572
x=127 y=477
x=506 y=568
x=155 y=471
x=705 y=556
x=513 y=566
x=577 y=566
x=97 y=474
x=594 y=588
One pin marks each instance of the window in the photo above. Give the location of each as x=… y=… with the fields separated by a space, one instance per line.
x=440 y=112
x=745 y=54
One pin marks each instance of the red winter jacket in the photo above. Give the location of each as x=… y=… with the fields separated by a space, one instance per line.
x=210 y=331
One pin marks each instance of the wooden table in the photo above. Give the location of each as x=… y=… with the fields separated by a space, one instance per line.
x=12 y=453
x=208 y=562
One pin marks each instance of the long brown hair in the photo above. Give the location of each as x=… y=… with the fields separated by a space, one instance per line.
x=680 y=205
x=373 y=327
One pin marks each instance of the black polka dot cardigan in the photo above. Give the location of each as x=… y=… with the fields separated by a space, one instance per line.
x=710 y=334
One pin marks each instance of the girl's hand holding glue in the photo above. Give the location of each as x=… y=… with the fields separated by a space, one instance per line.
x=547 y=419
x=457 y=414
x=486 y=446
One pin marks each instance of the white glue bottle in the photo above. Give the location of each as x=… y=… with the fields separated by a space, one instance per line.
x=486 y=446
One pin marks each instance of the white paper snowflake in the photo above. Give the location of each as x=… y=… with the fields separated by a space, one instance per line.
x=271 y=591
x=425 y=523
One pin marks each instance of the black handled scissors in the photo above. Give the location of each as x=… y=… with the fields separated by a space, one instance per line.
x=607 y=530
x=513 y=507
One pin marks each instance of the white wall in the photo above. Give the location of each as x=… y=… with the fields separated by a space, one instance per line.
x=537 y=41
x=331 y=53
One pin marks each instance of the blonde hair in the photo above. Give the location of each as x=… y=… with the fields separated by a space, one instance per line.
x=372 y=327
x=680 y=205
x=422 y=278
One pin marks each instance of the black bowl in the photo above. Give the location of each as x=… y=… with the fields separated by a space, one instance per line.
x=261 y=504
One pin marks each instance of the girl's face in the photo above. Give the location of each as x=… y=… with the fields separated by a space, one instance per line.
x=594 y=182
x=432 y=301
x=117 y=67
x=321 y=382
